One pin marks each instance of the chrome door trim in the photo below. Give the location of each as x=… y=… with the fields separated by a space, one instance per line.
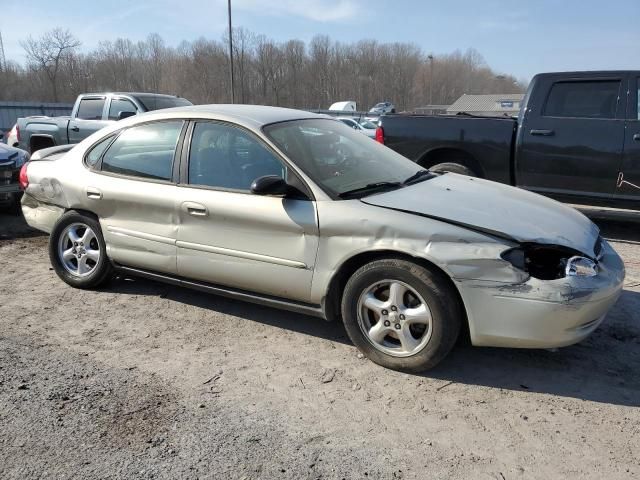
x=125 y=232
x=241 y=254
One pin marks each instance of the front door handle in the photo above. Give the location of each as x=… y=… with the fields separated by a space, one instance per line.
x=94 y=193
x=636 y=137
x=75 y=129
x=195 y=209
x=542 y=133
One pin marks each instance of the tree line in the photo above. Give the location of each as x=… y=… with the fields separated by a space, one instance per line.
x=292 y=73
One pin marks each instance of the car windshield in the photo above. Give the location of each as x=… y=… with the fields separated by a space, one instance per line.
x=339 y=159
x=157 y=102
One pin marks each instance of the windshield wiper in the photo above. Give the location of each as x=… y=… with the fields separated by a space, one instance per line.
x=420 y=175
x=370 y=188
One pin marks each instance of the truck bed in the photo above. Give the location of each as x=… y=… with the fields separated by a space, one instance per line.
x=433 y=139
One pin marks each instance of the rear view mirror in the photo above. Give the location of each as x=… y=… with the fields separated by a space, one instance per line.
x=269 y=185
x=123 y=115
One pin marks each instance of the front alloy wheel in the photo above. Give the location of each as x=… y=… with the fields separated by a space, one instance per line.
x=395 y=318
x=402 y=315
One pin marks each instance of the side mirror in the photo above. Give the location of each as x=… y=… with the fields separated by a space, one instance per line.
x=123 y=115
x=269 y=185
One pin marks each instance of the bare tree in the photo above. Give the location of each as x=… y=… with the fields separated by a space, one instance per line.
x=47 y=52
x=290 y=73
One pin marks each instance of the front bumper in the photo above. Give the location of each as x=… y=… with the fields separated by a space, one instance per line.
x=539 y=313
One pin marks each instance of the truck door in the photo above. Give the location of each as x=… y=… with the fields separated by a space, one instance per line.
x=628 y=184
x=572 y=138
x=87 y=118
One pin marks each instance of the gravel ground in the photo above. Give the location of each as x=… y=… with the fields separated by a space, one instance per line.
x=145 y=380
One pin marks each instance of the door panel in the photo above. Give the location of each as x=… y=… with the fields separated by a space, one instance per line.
x=231 y=237
x=628 y=185
x=572 y=139
x=135 y=197
x=87 y=119
x=138 y=220
x=256 y=243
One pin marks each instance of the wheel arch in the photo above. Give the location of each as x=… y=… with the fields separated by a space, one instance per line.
x=451 y=155
x=39 y=141
x=333 y=298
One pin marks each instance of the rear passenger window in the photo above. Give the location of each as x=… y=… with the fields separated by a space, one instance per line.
x=145 y=151
x=93 y=157
x=90 y=109
x=223 y=156
x=593 y=99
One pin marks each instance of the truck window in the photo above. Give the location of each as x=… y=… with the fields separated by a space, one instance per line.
x=585 y=99
x=90 y=109
x=120 y=105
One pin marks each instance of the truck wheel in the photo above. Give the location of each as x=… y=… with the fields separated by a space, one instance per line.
x=401 y=315
x=77 y=251
x=453 y=168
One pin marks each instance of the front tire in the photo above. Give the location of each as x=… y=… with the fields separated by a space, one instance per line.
x=401 y=315
x=78 y=252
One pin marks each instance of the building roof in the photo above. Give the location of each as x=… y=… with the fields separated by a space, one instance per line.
x=487 y=103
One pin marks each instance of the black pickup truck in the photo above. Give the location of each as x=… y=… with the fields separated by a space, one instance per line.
x=576 y=139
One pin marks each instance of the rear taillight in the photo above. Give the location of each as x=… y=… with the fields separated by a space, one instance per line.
x=380 y=135
x=23 y=179
x=17 y=129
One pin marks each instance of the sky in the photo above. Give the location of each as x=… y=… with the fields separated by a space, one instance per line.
x=515 y=37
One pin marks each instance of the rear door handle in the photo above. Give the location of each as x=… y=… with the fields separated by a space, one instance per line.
x=75 y=129
x=195 y=209
x=94 y=193
x=542 y=133
x=636 y=137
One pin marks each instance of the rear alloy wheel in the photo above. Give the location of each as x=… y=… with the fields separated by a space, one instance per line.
x=401 y=315
x=78 y=252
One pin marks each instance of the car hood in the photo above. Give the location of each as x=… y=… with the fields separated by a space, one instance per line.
x=496 y=209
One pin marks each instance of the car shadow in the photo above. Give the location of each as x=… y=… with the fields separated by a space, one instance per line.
x=13 y=226
x=602 y=368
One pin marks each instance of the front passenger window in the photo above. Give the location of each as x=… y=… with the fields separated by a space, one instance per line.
x=223 y=156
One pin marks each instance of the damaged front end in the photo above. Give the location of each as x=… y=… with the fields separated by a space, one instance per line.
x=565 y=298
x=552 y=262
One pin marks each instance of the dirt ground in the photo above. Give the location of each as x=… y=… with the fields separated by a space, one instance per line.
x=145 y=380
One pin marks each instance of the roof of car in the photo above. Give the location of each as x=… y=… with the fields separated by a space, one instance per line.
x=255 y=115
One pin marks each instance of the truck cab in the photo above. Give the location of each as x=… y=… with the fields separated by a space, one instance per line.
x=91 y=112
x=579 y=138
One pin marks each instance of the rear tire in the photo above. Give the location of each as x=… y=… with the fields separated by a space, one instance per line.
x=77 y=251
x=401 y=315
x=453 y=168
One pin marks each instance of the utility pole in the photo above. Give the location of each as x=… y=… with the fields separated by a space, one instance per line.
x=233 y=96
x=3 y=60
x=430 y=57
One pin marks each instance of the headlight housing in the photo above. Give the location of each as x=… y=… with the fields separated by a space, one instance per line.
x=581 y=267
x=550 y=262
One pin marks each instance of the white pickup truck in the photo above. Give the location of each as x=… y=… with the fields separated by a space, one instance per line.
x=91 y=112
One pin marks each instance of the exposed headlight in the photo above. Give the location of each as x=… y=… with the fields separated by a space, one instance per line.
x=549 y=262
x=581 y=267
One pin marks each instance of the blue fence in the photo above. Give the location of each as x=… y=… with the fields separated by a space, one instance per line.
x=11 y=111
